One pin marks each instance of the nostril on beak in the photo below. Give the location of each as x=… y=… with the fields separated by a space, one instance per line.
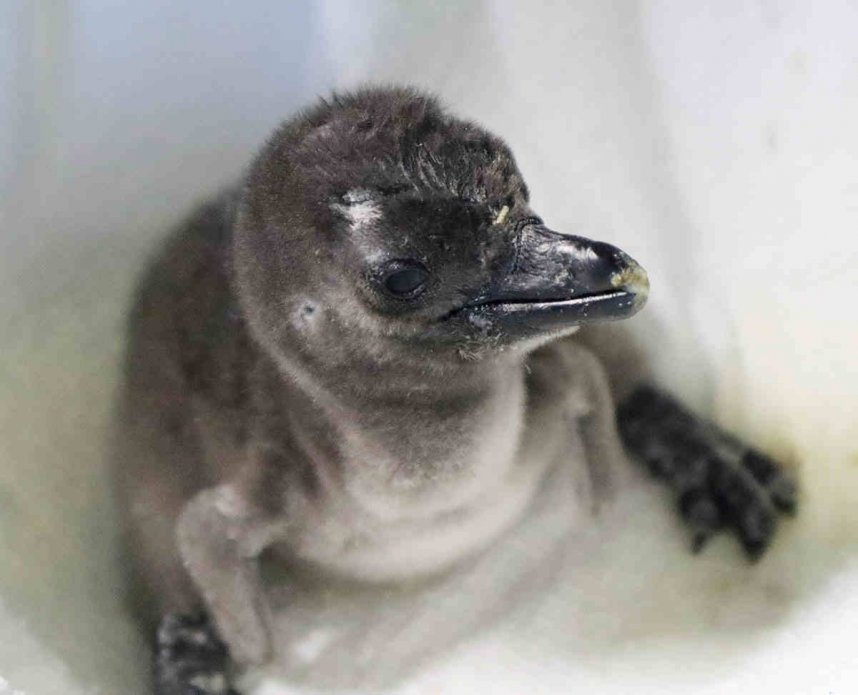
x=607 y=253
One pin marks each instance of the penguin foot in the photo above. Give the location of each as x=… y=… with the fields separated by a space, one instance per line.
x=190 y=659
x=719 y=482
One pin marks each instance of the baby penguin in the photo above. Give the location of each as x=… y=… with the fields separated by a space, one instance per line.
x=361 y=360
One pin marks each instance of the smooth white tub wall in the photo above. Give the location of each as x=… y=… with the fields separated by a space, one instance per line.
x=760 y=101
x=713 y=140
x=120 y=116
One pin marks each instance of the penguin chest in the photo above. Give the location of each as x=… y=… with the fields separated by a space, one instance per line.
x=360 y=543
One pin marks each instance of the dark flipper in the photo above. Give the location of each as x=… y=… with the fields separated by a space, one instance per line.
x=719 y=482
x=190 y=658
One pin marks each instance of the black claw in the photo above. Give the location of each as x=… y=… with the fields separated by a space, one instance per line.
x=747 y=508
x=781 y=488
x=754 y=550
x=718 y=481
x=699 y=541
x=785 y=496
x=756 y=529
x=700 y=511
x=702 y=514
x=190 y=658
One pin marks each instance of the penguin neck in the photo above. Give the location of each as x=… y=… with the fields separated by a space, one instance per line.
x=404 y=390
x=412 y=429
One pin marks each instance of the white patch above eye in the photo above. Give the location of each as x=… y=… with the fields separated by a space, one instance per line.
x=359 y=195
x=359 y=215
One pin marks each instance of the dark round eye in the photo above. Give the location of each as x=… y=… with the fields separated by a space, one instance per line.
x=405 y=279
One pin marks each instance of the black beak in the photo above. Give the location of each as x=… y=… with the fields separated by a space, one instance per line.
x=555 y=281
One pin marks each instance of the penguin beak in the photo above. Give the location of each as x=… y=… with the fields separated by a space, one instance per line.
x=555 y=281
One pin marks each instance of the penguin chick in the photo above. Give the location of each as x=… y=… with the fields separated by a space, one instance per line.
x=360 y=360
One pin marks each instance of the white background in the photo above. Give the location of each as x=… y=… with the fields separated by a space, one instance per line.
x=716 y=141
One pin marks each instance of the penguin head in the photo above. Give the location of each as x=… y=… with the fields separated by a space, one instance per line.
x=377 y=226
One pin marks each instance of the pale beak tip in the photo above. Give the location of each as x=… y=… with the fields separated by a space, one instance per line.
x=633 y=279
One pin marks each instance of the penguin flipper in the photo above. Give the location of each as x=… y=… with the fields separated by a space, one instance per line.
x=220 y=536
x=719 y=482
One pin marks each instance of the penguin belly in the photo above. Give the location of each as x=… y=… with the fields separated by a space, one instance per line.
x=334 y=634
x=364 y=549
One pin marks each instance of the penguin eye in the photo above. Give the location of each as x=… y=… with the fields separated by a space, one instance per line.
x=405 y=279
